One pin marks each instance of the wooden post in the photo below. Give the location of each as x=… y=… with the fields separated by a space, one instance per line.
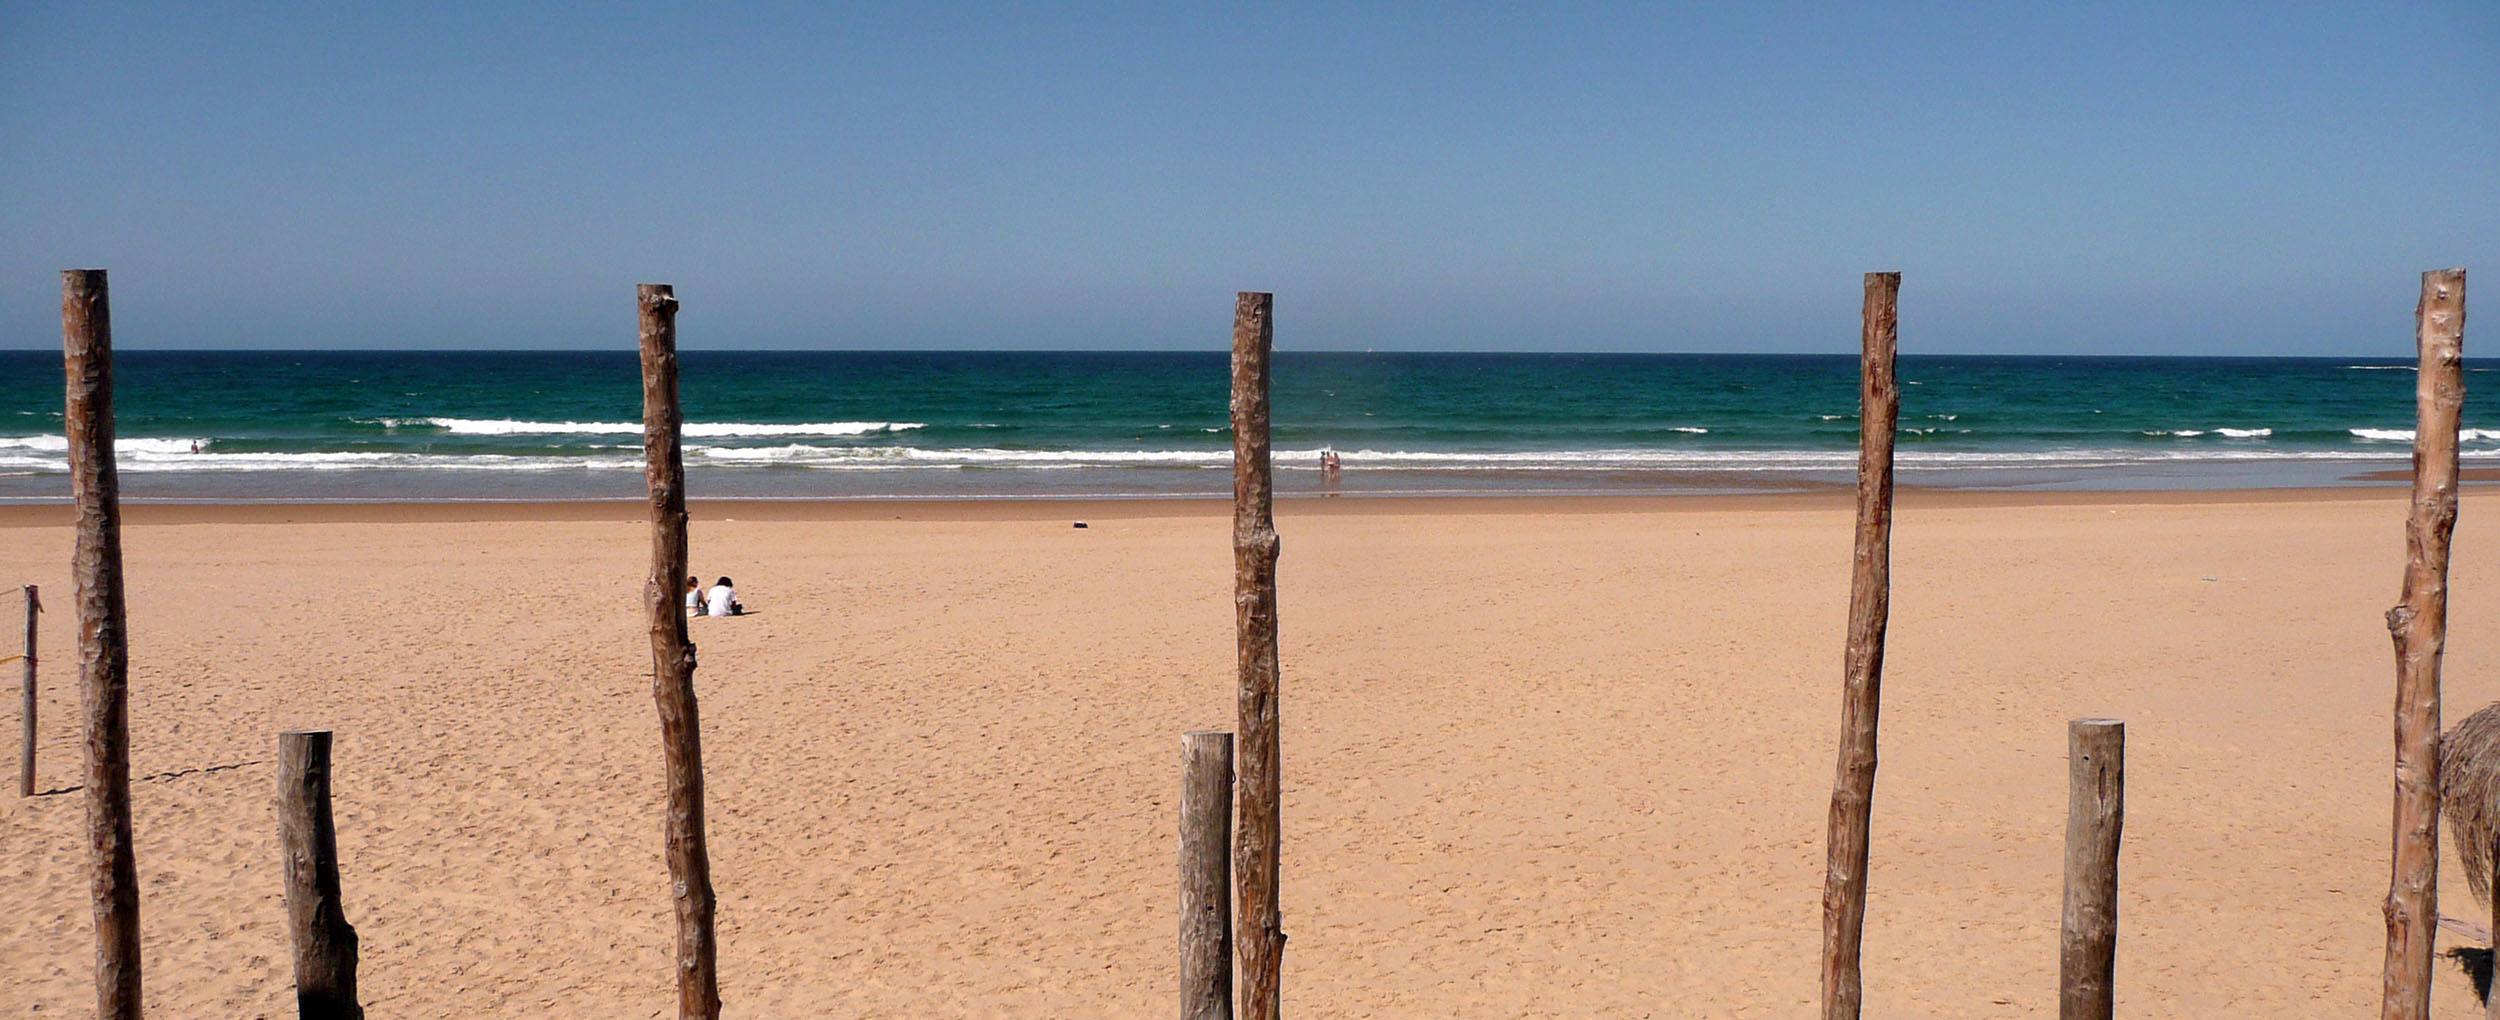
x=1258 y=836
x=2419 y=625
x=1206 y=874
x=26 y=710
x=672 y=658
x=316 y=918
x=1870 y=599
x=2096 y=809
x=103 y=637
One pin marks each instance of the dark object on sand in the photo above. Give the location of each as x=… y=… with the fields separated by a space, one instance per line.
x=2469 y=793
x=1080 y=524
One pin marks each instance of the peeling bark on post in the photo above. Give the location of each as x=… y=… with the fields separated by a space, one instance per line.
x=1258 y=835
x=2419 y=625
x=103 y=638
x=2096 y=812
x=673 y=661
x=1870 y=598
x=316 y=916
x=1206 y=873
x=26 y=709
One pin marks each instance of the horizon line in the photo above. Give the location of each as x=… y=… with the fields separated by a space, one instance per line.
x=1219 y=350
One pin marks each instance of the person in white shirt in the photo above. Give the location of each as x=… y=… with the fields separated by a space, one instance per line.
x=722 y=600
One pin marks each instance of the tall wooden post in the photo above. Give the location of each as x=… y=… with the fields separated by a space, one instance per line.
x=2096 y=810
x=1870 y=599
x=1258 y=836
x=672 y=658
x=316 y=917
x=103 y=638
x=26 y=709
x=2419 y=624
x=1206 y=873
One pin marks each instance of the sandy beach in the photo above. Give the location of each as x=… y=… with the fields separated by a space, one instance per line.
x=1543 y=756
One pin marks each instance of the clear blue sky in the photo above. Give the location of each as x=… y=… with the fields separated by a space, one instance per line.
x=2204 y=178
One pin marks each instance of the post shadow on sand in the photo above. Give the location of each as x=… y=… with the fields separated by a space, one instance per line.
x=2475 y=961
x=160 y=777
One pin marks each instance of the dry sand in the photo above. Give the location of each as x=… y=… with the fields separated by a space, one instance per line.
x=1543 y=757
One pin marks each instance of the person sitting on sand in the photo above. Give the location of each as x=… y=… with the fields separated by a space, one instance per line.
x=723 y=600
x=694 y=594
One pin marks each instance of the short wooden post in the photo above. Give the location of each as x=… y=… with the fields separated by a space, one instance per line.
x=2096 y=796
x=1206 y=875
x=673 y=661
x=26 y=710
x=103 y=638
x=1870 y=599
x=2419 y=625
x=316 y=917
x=1259 y=833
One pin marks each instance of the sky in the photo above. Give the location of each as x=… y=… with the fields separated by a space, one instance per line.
x=2204 y=178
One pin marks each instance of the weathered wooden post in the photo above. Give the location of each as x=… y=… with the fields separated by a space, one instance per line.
x=2096 y=809
x=1206 y=875
x=103 y=637
x=2419 y=625
x=672 y=658
x=26 y=710
x=1870 y=599
x=1258 y=836
x=316 y=916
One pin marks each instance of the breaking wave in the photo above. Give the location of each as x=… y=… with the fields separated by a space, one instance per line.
x=704 y=430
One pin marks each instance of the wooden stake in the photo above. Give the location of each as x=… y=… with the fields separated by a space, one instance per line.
x=2096 y=798
x=26 y=710
x=1206 y=874
x=316 y=918
x=2419 y=625
x=1870 y=598
x=1258 y=836
x=672 y=658
x=103 y=638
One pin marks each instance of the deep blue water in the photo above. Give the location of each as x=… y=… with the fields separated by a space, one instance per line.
x=457 y=425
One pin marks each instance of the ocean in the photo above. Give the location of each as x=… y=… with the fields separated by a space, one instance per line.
x=436 y=425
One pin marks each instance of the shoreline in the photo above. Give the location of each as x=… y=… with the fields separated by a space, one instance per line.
x=1047 y=508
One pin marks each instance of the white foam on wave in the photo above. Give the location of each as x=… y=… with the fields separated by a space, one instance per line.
x=895 y=458
x=122 y=446
x=2182 y=433
x=2406 y=435
x=1692 y=430
x=2246 y=433
x=845 y=458
x=335 y=461
x=707 y=430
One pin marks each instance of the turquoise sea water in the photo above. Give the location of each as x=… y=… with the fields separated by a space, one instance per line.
x=474 y=425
